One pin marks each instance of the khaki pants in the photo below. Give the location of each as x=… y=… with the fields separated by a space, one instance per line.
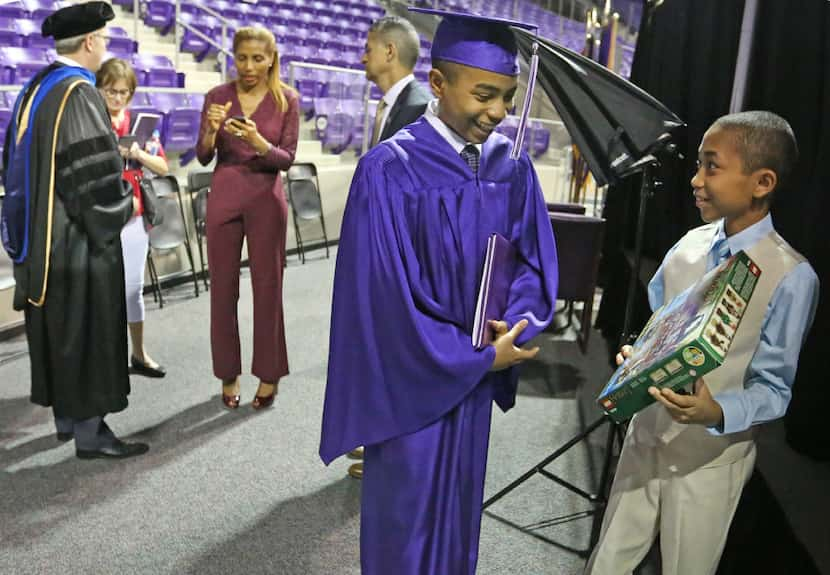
x=691 y=511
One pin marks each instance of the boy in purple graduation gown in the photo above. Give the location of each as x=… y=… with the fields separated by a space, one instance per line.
x=404 y=379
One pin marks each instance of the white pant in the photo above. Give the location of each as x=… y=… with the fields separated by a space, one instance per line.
x=691 y=511
x=134 y=244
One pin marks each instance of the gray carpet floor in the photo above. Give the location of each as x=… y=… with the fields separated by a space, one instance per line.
x=243 y=492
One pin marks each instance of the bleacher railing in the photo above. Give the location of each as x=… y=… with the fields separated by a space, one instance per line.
x=223 y=52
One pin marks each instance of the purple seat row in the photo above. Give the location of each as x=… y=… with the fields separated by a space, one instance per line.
x=29 y=9
x=25 y=33
x=160 y=14
x=181 y=114
x=18 y=65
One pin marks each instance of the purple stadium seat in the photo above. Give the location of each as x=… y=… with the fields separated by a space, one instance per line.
x=139 y=107
x=288 y=17
x=197 y=100
x=356 y=88
x=22 y=62
x=308 y=82
x=305 y=19
x=159 y=14
x=338 y=132
x=181 y=129
x=119 y=41
x=39 y=9
x=337 y=86
x=191 y=8
x=155 y=70
x=166 y=101
x=193 y=43
x=508 y=127
x=307 y=54
x=9 y=34
x=279 y=30
x=356 y=143
x=140 y=99
x=310 y=85
x=13 y=10
x=538 y=138
x=230 y=30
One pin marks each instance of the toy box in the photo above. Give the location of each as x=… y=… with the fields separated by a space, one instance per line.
x=685 y=339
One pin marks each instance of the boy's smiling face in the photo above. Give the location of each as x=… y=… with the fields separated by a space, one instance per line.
x=722 y=187
x=473 y=101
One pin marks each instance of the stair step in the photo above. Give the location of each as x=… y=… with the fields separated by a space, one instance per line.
x=310 y=147
x=318 y=160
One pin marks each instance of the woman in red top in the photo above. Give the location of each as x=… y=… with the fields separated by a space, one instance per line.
x=117 y=82
x=251 y=125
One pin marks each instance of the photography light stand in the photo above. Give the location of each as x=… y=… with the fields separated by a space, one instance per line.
x=647 y=166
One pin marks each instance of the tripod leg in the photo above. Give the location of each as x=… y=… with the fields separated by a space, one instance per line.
x=604 y=481
x=573 y=441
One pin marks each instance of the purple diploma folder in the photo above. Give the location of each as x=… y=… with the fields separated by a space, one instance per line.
x=499 y=268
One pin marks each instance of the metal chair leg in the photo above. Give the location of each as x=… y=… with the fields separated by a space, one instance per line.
x=187 y=245
x=156 y=281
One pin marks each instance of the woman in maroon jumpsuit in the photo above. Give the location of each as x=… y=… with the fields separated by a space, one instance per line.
x=251 y=124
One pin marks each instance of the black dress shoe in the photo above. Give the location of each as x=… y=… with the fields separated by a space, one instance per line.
x=141 y=368
x=64 y=436
x=118 y=450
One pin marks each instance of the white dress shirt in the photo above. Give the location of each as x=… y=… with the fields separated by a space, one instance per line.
x=457 y=142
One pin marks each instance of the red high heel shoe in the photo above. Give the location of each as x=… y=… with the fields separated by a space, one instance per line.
x=263 y=401
x=230 y=401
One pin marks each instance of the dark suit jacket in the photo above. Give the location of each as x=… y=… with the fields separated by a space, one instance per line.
x=410 y=105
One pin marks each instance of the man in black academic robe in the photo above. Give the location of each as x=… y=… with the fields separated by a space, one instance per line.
x=69 y=280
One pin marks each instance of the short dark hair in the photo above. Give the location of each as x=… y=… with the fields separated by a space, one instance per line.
x=763 y=140
x=403 y=35
x=448 y=69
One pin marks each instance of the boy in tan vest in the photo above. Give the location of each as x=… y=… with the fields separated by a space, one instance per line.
x=686 y=458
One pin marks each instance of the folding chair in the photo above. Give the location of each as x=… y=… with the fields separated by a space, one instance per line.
x=306 y=205
x=198 y=186
x=171 y=233
x=578 y=246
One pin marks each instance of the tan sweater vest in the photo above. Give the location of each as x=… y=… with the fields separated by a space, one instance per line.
x=688 y=447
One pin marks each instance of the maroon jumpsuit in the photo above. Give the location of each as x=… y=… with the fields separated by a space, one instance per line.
x=246 y=200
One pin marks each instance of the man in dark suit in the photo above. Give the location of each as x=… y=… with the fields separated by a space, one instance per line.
x=391 y=51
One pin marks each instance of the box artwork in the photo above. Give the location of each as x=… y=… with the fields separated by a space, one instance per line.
x=685 y=339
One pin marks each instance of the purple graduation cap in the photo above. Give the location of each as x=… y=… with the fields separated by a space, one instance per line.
x=486 y=43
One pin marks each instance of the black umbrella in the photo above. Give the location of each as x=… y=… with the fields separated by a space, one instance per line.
x=614 y=123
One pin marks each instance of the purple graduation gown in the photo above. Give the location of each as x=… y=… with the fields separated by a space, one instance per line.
x=403 y=377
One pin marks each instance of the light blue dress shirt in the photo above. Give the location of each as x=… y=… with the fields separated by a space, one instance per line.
x=769 y=379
